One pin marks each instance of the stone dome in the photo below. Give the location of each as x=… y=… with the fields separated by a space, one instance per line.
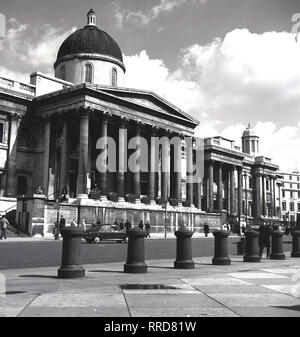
x=91 y=40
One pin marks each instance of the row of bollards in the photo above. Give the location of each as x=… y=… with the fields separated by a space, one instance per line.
x=71 y=254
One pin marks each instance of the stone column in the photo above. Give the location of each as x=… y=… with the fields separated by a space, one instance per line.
x=232 y=191
x=122 y=159
x=199 y=195
x=211 y=186
x=240 y=192
x=165 y=168
x=177 y=170
x=103 y=152
x=63 y=179
x=153 y=165
x=189 y=170
x=258 y=194
x=83 y=154
x=220 y=188
x=264 y=199
x=137 y=175
x=274 y=197
x=47 y=129
x=12 y=155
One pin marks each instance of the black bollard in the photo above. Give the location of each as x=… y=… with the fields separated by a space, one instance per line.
x=136 y=252
x=277 y=248
x=221 y=248
x=71 y=254
x=184 y=258
x=252 y=247
x=296 y=244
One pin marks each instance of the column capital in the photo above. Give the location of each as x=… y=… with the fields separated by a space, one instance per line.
x=123 y=122
x=14 y=117
x=139 y=126
x=154 y=131
x=84 y=112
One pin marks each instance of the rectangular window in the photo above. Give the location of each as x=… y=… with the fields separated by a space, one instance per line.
x=1 y=132
x=292 y=194
x=291 y=185
x=283 y=193
x=292 y=207
x=291 y=178
x=299 y=195
x=298 y=206
x=298 y=179
x=284 y=206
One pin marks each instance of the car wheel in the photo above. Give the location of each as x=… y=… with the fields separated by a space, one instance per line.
x=125 y=240
x=97 y=239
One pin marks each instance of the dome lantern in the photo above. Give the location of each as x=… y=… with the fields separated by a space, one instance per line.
x=250 y=141
x=91 y=18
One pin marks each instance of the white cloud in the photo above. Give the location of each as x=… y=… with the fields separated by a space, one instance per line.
x=227 y=83
x=27 y=48
x=140 y=18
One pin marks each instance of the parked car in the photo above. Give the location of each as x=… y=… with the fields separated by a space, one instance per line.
x=105 y=233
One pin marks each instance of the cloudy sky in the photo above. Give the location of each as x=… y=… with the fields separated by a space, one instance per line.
x=226 y=62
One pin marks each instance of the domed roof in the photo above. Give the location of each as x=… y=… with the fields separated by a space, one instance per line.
x=90 y=40
x=249 y=132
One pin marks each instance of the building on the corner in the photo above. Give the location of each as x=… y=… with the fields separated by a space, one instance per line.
x=290 y=196
x=240 y=181
x=49 y=131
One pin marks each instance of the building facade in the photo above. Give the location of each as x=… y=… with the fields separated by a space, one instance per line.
x=290 y=196
x=50 y=131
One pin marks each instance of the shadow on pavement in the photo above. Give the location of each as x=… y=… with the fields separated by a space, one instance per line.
x=105 y=271
x=39 y=276
x=293 y=307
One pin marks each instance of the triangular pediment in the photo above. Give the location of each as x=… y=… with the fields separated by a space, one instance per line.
x=150 y=100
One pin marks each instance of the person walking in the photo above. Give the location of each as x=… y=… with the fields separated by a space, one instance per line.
x=147 y=227
x=122 y=226
x=83 y=225
x=141 y=224
x=62 y=223
x=206 y=229
x=3 y=225
x=127 y=225
x=73 y=224
x=116 y=223
x=264 y=239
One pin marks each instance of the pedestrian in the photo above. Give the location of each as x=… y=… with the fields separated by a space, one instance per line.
x=206 y=229
x=141 y=224
x=122 y=226
x=147 y=227
x=127 y=225
x=83 y=225
x=62 y=223
x=99 y=222
x=93 y=224
x=264 y=239
x=73 y=224
x=116 y=223
x=3 y=225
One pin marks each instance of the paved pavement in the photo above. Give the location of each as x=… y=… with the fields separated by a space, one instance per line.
x=266 y=289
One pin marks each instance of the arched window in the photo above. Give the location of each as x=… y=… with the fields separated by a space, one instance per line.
x=88 y=73
x=114 y=77
x=63 y=72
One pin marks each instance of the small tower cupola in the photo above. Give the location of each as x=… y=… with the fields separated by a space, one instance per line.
x=91 y=18
x=250 y=141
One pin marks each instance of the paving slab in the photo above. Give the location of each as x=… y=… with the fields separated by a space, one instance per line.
x=182 y=312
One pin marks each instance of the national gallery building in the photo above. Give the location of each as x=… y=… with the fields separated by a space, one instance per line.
x=49 y=130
